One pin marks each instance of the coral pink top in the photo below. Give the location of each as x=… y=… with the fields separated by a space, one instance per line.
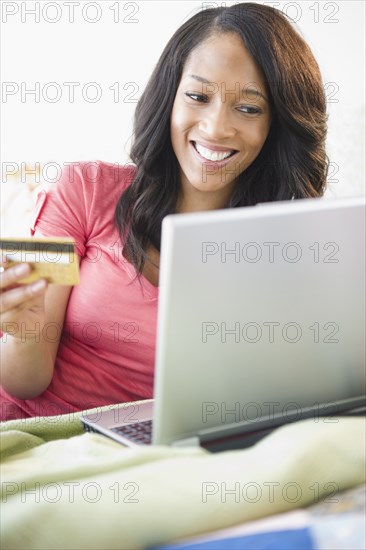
x=107 y=349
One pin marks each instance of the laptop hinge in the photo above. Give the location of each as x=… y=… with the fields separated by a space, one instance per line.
x=193 y=441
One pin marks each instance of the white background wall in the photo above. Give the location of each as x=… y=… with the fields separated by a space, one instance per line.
x=120 y=50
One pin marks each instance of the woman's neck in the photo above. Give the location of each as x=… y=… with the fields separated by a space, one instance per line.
x=193 y=200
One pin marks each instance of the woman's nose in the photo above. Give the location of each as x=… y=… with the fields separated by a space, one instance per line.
x=216 y=123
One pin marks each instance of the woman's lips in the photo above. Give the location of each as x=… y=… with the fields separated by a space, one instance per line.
x=212 y=147
x=212 y=163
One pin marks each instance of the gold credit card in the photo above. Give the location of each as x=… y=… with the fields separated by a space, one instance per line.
x=54 y=259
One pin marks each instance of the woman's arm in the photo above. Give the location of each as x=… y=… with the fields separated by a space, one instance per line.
x=27 y=354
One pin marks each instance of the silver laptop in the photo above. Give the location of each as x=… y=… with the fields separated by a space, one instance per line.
x=261 y=321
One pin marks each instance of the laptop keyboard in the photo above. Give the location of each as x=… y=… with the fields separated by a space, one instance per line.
x=139 y=432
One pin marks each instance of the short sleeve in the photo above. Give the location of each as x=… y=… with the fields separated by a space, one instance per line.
x=81 y=203
x=62 y=209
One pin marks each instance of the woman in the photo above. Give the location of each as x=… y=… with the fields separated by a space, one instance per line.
x=234 y=114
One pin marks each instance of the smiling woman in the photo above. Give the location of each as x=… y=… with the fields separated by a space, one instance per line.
x=217 y=129
x=232 y=79
x=233 y=114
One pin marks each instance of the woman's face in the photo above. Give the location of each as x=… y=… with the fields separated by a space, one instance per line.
x=220 y=117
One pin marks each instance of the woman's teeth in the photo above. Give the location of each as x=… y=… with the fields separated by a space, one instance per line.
x=212 y=155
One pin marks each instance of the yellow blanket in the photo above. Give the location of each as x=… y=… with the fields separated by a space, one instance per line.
x=65 y=489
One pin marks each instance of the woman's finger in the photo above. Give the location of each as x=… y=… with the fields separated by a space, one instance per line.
x=19 y=296
x=10 y=276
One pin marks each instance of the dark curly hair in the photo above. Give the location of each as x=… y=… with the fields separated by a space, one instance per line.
x=292 y=162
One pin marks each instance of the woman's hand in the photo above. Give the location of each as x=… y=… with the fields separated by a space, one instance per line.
x=27 y=355
x=22 y=306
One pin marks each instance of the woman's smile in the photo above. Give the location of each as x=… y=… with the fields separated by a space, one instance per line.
x=211 y=155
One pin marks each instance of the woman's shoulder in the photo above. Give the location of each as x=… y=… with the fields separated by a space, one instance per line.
x=82 y=191
x=100 y=174
x=85 y=182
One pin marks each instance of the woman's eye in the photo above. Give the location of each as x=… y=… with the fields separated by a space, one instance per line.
x=249 y=110
x=202 y=98
x=197 y=97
